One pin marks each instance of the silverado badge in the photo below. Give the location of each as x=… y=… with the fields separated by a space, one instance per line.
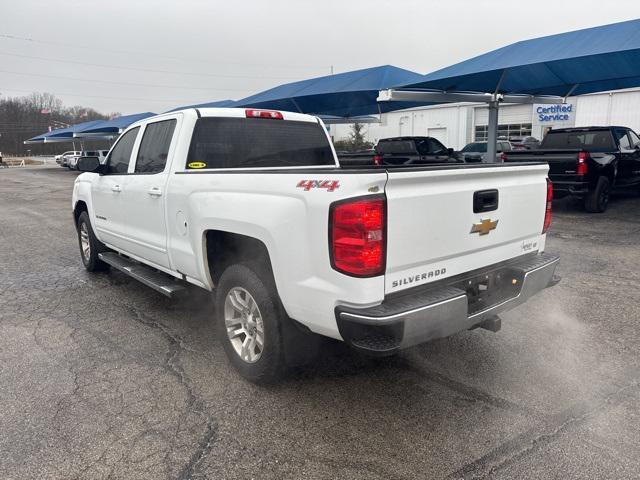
x=484 y=227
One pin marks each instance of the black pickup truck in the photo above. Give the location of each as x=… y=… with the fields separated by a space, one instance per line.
x=400 y=151
x=588 y=162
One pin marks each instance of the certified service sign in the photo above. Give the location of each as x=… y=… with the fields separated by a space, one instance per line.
x=563 y=113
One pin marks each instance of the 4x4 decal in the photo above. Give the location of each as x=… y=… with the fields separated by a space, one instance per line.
x=329 y=185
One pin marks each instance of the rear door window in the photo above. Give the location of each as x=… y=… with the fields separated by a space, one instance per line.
x=154 y=147
x=623 y=139
x=436 y=147
x=257 y=143
x=118 y=161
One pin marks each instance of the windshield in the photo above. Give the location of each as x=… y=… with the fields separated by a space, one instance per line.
x=592 y=141
x=476 y=147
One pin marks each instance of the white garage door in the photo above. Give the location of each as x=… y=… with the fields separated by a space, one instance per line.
x=438 y=134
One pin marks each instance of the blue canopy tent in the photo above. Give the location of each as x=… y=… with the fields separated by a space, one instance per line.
x=61 y=134
x=217 y=104
x=541 y=70
x=346 y=95
x=37 y=139
x=110 y=128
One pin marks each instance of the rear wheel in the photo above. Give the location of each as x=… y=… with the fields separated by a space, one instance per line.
x=597 y=200
x=90 y=246
x=248 y=323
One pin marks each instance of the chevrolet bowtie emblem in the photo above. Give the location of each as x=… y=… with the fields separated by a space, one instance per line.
x=484 y=227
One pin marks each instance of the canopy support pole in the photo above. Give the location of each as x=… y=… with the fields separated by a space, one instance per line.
x=571 y=90
x=492 y=131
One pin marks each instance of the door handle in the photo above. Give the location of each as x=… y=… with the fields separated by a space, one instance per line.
x=154 y=192
x=116 y=188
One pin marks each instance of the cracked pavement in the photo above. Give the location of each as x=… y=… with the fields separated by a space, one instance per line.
x=101 y=377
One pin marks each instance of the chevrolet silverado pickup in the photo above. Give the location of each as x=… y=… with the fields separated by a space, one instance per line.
x=254 y=206
x=588 y=162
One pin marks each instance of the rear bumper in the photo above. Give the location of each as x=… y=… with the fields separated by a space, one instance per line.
x=576 y=188
x=431 y=313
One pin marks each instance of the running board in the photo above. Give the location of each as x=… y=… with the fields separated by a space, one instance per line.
x=160 y=282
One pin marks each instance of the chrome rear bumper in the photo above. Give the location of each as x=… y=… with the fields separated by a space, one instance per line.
x=436 y=312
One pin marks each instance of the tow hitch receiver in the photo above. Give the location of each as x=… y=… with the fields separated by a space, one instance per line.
x=493 y=324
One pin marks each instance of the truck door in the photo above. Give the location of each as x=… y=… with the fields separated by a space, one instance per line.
x=437 y=151
x=145 y=195
x=635 y=164
x=109 y=204
x=628 y=163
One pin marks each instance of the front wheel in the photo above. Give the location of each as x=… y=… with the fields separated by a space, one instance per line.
x=598 y=199
x=248 y=324
x=90 y=246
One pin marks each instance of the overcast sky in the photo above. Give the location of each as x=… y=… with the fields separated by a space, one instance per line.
x=152 y=55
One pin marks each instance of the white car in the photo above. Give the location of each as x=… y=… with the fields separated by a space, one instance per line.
x=253 y=205
x=63 y=158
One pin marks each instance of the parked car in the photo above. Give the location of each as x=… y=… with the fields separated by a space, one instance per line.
x=588 y=162
x=73 y=160
x=477 y=151
x=254 y=205
x=401 y=151
x=63 y=159
x=524 y=143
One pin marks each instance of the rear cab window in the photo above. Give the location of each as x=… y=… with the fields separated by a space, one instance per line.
x=225 y=142
x=590 y=141
x=407 y=147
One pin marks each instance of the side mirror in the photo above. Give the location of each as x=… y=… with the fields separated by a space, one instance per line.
x=450 y=151
x=89 y=164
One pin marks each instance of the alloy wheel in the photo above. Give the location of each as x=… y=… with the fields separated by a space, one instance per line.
x=244 y=325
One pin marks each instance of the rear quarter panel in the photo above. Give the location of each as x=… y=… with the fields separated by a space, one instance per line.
x=291 y=222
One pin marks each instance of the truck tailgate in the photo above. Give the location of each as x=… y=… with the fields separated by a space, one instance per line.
x=433 y=232
x=561 y=162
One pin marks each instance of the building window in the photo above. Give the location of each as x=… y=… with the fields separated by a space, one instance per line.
x=504 y=131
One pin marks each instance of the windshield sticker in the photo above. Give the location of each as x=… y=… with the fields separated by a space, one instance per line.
x=197 y=165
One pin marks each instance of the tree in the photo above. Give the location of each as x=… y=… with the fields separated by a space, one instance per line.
x=25 y=117
x=356 y=140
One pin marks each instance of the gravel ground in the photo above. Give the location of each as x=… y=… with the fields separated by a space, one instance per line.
x=102 y=377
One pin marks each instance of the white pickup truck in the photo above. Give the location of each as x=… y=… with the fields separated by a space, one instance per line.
x=253 y=205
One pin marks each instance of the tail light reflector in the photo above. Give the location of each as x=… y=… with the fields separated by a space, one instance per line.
x=253 y=113
x=547 y=212
x=582 y=168
x=357 y=231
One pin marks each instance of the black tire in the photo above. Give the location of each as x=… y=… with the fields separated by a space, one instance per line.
x=270 y=365
x=90 y=259
x=597 y=200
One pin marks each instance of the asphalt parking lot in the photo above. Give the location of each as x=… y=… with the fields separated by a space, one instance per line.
x=101 y=377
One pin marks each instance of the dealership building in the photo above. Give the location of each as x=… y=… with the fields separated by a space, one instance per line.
x=457 y=124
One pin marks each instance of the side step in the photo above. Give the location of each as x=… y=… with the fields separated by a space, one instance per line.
x=161 y=282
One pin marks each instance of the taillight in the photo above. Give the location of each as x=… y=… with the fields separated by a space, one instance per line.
x=357 y=236
x=503 y=157
x=547 y=212
x=252 y=113
x=377 y=160
x=582 y=168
